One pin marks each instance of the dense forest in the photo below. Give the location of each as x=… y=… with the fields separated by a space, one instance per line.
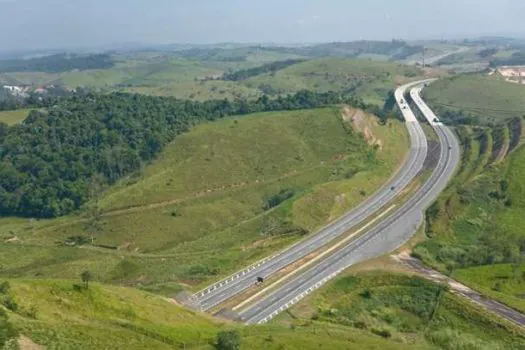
x=48 y=162
x=57 y=63
x=271 y=68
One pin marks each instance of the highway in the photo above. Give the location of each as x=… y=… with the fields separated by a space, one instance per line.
x=386 y=236
x=434 y=59
x=413 y=164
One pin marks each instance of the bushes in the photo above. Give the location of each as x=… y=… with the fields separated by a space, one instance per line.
x=228 y=340
x=7 y=331
x=451 y=339
x=276 y=199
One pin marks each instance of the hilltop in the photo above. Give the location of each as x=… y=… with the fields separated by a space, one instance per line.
x=476 y=99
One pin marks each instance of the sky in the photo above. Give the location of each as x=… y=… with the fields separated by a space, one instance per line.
x=48 y=24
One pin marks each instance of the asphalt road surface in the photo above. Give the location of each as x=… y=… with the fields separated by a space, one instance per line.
x=240 y=281
x=386 y=236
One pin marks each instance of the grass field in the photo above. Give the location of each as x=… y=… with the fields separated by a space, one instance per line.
x=490 y=99
x=202 y=208
x=13 y=117
x=406 y=310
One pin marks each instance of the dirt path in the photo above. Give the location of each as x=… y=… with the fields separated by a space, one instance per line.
x=27 y=344
x=462 y=290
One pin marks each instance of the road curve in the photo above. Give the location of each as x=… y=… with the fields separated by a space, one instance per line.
x=386 y=236
x=240 y=281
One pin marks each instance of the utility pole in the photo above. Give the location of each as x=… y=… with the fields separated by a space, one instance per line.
x=423 y=57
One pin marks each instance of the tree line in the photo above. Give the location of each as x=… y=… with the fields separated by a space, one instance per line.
x=271 y=68
x=516 y=59
x=48 y=161
x=57 y=63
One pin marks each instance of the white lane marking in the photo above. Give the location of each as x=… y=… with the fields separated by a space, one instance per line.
x=314 y=260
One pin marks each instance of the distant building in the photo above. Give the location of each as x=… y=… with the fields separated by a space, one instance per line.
x=13 y=89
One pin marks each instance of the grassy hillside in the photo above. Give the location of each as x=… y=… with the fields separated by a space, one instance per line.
x=370 y=80
x=405 y=310
x=13 y=117
x=489 y=99
x=60 y=314
x=218 y=197
x=188 y=77
x=474 y=230
x=63 y=314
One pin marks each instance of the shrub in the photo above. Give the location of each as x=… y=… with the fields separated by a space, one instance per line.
x=5 y=287
x=385 y=333
x=10 y=303
x=228 y=340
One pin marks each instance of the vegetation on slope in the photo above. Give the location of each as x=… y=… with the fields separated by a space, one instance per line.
x=202 y=209
x=161 y=74
x=406 y=310
x=66 y=315
x=475 y=229
x=57 y=63
x=476 y=99
x=392 y=50
x=371 y=81
x=48 y=162
x=271 y=68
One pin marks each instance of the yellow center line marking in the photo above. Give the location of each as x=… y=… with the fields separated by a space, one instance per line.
x=320 y=256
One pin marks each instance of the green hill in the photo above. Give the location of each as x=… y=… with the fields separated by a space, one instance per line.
x=488 y=99
x=370 y=80
x=222 y=195
x=60 y=314
x=189 y=76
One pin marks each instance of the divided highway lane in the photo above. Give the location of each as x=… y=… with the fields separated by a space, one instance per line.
x=237 y=283
x=386 y=236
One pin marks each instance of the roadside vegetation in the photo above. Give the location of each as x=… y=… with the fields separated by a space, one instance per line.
x=63 y=314
x=368 y=310
x=404 y=310
x=474 y=230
